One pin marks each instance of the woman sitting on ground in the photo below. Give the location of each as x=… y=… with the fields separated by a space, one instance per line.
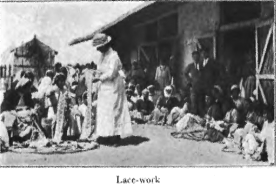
x=164 y=106
x=184 y=107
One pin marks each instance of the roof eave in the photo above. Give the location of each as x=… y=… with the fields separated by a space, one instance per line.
x=103 y=28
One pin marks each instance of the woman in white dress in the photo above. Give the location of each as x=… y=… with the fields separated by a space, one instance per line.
x=113 y=117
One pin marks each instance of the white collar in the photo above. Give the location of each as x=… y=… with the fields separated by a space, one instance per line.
x=196 y=66
x=205 y=62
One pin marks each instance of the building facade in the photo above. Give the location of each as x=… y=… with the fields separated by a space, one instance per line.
x=172 y=30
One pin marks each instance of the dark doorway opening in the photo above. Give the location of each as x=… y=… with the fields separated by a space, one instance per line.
x=237 y=50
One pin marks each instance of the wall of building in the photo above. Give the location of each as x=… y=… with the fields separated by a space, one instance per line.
x=195 y=20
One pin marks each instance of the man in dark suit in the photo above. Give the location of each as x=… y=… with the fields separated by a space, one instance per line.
x=193 y=74
x=210 y=71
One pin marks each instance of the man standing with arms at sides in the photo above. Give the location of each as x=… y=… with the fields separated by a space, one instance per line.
x=193 y=76
x=210 y=71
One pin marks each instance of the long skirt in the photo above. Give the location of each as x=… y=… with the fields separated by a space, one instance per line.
x=113 y=117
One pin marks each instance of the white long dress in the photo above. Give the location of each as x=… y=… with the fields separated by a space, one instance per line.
x=113 y=117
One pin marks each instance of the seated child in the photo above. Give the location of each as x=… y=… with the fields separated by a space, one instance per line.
x=144 y=107
x=153 y=97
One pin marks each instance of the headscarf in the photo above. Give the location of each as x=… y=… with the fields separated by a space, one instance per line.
x=168 y=91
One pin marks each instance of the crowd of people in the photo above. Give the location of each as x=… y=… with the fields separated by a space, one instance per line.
x=67 y=104
x=208 y=108
x=56 y=109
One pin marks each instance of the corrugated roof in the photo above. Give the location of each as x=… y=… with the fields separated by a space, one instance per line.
x=119 y=19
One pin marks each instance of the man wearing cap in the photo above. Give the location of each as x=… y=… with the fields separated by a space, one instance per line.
x=193 y=74
x=113 y=117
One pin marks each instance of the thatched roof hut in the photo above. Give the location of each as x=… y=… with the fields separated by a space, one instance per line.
x=33 y=56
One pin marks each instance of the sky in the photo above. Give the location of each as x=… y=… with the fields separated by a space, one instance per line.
x=57 y=23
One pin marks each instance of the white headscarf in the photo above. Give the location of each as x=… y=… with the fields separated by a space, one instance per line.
x=168 y=88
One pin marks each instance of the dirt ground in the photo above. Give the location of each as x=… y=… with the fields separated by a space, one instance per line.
x=149 y=146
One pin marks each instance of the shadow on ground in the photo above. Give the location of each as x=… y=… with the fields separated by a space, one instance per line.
x=128 y=141
x=133 y=140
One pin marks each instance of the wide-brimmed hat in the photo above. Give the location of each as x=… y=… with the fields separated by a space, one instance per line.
x=100 y=39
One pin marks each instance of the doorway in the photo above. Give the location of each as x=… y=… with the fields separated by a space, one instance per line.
x=236 y=50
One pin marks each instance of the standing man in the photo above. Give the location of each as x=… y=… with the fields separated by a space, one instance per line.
x=193 y=75
x=210 y=71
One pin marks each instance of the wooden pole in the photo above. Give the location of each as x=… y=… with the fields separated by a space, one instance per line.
x=10 y=71
x=256 y=57
x=215 y=47
x=264 y=50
